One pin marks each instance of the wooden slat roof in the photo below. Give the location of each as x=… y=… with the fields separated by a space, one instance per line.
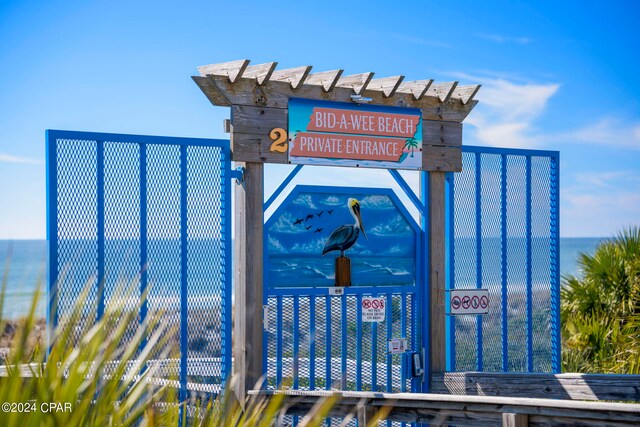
x=238 y=83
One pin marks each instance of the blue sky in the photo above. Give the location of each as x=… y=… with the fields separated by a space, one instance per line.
x=555 y=75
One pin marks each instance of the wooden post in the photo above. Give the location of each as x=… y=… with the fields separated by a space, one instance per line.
x=515 y=420
x=437 y=274
x=343 y=271
x=249 y=221
x=365 y=413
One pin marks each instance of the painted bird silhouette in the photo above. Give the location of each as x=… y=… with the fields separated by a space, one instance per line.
x=320 y=214
x=298 y=221
x=310 y=216
x=308 y=228
x=318 y=230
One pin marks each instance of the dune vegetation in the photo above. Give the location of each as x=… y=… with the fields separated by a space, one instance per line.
x=600 y=311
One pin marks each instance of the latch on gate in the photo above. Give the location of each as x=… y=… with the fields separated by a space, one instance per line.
x=417 y=364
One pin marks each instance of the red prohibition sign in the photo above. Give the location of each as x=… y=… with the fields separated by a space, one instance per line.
x=381 y=303
x=475 y=302
x=484 y=301
x=366 y=304
x=374 y=304
x=455 y=302
x=465 y=302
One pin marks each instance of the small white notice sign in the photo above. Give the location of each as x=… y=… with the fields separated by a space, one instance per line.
x=468 y=301
x=373 y=309
x=397 y=345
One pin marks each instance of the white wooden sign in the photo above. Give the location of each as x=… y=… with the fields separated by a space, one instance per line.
x=373 y=309
x=468 y=301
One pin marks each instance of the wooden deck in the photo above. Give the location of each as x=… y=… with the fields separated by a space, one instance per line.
x=444 y=409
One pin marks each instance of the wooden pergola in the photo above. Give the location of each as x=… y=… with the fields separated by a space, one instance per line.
x=259 y=96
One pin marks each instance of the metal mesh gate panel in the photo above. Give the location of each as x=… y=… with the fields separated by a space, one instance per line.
x=316 y=339
x=503 y=217
x=149 y=212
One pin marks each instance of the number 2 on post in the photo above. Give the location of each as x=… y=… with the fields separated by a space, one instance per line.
x=279 y=138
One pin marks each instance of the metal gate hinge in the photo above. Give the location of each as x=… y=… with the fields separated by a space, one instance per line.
x=238 y=174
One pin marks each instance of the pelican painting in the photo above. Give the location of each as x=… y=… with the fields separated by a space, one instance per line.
x=345 y=236
x=341 y=239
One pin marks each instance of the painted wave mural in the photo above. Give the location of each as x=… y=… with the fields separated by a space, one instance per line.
x=297 y=233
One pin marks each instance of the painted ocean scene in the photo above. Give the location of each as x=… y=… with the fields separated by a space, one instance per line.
x=298 y=231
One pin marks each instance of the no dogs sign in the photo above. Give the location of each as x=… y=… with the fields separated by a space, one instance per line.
x=373 y=309
x=468 y=301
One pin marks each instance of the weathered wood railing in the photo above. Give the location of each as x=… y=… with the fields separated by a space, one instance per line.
x=441 y=409
x=533 y=385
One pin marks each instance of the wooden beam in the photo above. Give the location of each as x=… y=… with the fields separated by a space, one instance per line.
x=465 y=93
x=260 y=72
x=248 y=322
x=441 y=159
x=441 y=133
x=417 y=88
x=387 y=85
x=295 y=76
x=232 y=70
x=326 y=79
x=437 y=249
x=355 y=82
x=443 y=91
x=211 y=91
x=276 y=94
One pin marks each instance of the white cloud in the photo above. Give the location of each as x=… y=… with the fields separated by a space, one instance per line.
x=332 y=201
x=500 y=38
x=421 y=41
x=8 y=158
x=314 y=246
x=598 y=214
x=600 y=203
x=376 y=202
x=610 y=180
x=305 y=200
x=396 y=227
x=606 y=131
x=508 y=110
x=275 y=246
x=285 y=224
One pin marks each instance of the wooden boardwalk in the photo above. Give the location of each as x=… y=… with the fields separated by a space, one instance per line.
x=441 y=409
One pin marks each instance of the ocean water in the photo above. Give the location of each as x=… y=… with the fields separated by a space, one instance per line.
x=24 y=264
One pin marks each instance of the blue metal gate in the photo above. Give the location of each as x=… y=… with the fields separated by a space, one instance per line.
x=503 y=234
x=315 y=336
x=152 y=209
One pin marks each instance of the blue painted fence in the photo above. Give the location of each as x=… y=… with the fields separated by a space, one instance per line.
x=503 y=230
x=157 y=209
x=153 y=210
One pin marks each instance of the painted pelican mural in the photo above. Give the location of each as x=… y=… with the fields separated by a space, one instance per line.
x=345 y=236
x=341 y=239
